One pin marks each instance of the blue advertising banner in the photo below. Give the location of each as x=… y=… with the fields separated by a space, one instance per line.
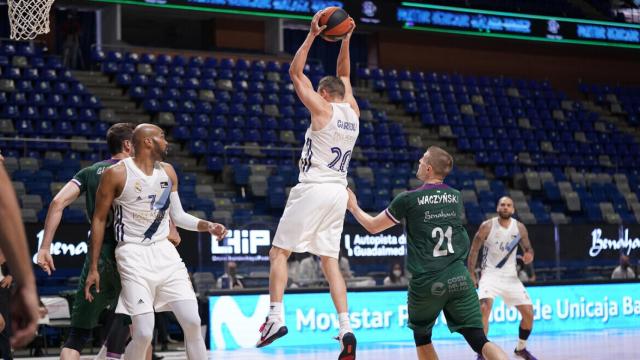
x=381 y=316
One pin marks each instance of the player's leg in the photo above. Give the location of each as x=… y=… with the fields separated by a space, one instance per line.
x=141 y=335
x=486 y=305
x=85 y=314
x=463 y=314
x=274 y=328
x=425 y=300
x=116 y=340
x=477 y=340
x=526 y=325
x=424 y=347
x=489 y=287
x=338 y=290
x=186 y=312
x=278 y=277
x=289 y=235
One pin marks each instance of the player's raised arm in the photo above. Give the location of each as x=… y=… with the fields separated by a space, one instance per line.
x=372 y=224
x=318 y=107
x=525 y=244
x=344 y=69
x=68 y=194
x=185 y=220
x=111 y=184
x=478 y=240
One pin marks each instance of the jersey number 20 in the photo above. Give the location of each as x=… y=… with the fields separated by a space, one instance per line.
x=441 y=234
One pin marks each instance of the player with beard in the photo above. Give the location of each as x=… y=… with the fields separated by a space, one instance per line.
x=500 y=237
x=143 y=191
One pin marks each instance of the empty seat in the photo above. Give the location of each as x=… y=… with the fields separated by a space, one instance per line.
x=559 y=218
x=469 y=196
x=572 y=200
x=205 y=191
x=29 y=164
x=11 y=164
x=32 y=202
x=29 y=215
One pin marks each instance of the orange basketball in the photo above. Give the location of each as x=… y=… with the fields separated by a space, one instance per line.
x=338 y=23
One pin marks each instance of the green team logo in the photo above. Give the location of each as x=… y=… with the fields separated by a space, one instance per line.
x=438 y=289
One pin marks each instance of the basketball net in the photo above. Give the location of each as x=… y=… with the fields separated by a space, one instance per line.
x=29 y=18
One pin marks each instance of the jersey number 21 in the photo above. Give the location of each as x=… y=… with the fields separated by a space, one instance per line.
x=442 y=235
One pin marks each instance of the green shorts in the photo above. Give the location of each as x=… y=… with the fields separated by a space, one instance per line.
x=85 y=314
x=451 y=291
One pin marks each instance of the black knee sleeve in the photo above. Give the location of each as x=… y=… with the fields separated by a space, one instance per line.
x=422 y=338
x=475 y=338
x=77 y=339
x=118 y=335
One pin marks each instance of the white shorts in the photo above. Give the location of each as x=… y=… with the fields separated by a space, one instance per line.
x=508 y=287
x=313 y=219
x=152 y=276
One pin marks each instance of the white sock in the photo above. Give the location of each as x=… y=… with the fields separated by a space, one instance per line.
x=345 y=323
x=275 y=311
x=521 y=344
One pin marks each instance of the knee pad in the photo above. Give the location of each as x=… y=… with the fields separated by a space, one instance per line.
x=77 y=339
x=118 y=336
x=422 y=339
x=475 y=338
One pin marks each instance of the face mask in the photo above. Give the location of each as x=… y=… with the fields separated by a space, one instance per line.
x=397 y=273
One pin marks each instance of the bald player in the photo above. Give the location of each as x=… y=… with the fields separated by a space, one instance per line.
x=500 y=237
x=437 y=246
x=143 y=191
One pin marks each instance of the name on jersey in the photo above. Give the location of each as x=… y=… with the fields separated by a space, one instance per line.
x=347 y=125
x=438 y=199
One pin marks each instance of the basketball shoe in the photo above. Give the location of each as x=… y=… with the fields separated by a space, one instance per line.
x=271 y=330
x=525 y=354
x=347 y=346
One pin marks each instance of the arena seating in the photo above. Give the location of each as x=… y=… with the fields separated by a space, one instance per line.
x=554 y=156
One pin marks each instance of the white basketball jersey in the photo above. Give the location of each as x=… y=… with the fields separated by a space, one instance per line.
x=326 y=153
x=497 y=247
x=141 y=212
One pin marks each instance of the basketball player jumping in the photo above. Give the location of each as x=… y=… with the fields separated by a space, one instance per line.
x=500 y=237
x=313 y=217
x=142 y=191
x=437 y=246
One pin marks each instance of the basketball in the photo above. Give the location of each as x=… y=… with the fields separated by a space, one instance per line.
x=338 y=23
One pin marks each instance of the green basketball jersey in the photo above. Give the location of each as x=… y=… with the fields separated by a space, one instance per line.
x=436 y=237
x=88 y=180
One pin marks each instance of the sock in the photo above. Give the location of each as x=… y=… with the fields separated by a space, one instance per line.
x=345 y=324
x=275 y=311
x=523 y=335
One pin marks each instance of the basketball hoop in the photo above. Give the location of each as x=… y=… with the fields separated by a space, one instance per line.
x=29 y=18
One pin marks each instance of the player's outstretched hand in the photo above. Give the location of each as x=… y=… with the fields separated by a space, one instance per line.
x=353 y=27
x=352 y=203
x=24 y=315
x=315 y=29
x=527 y=258
x=218 y=230
x=93 y=278
x=45 y=261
